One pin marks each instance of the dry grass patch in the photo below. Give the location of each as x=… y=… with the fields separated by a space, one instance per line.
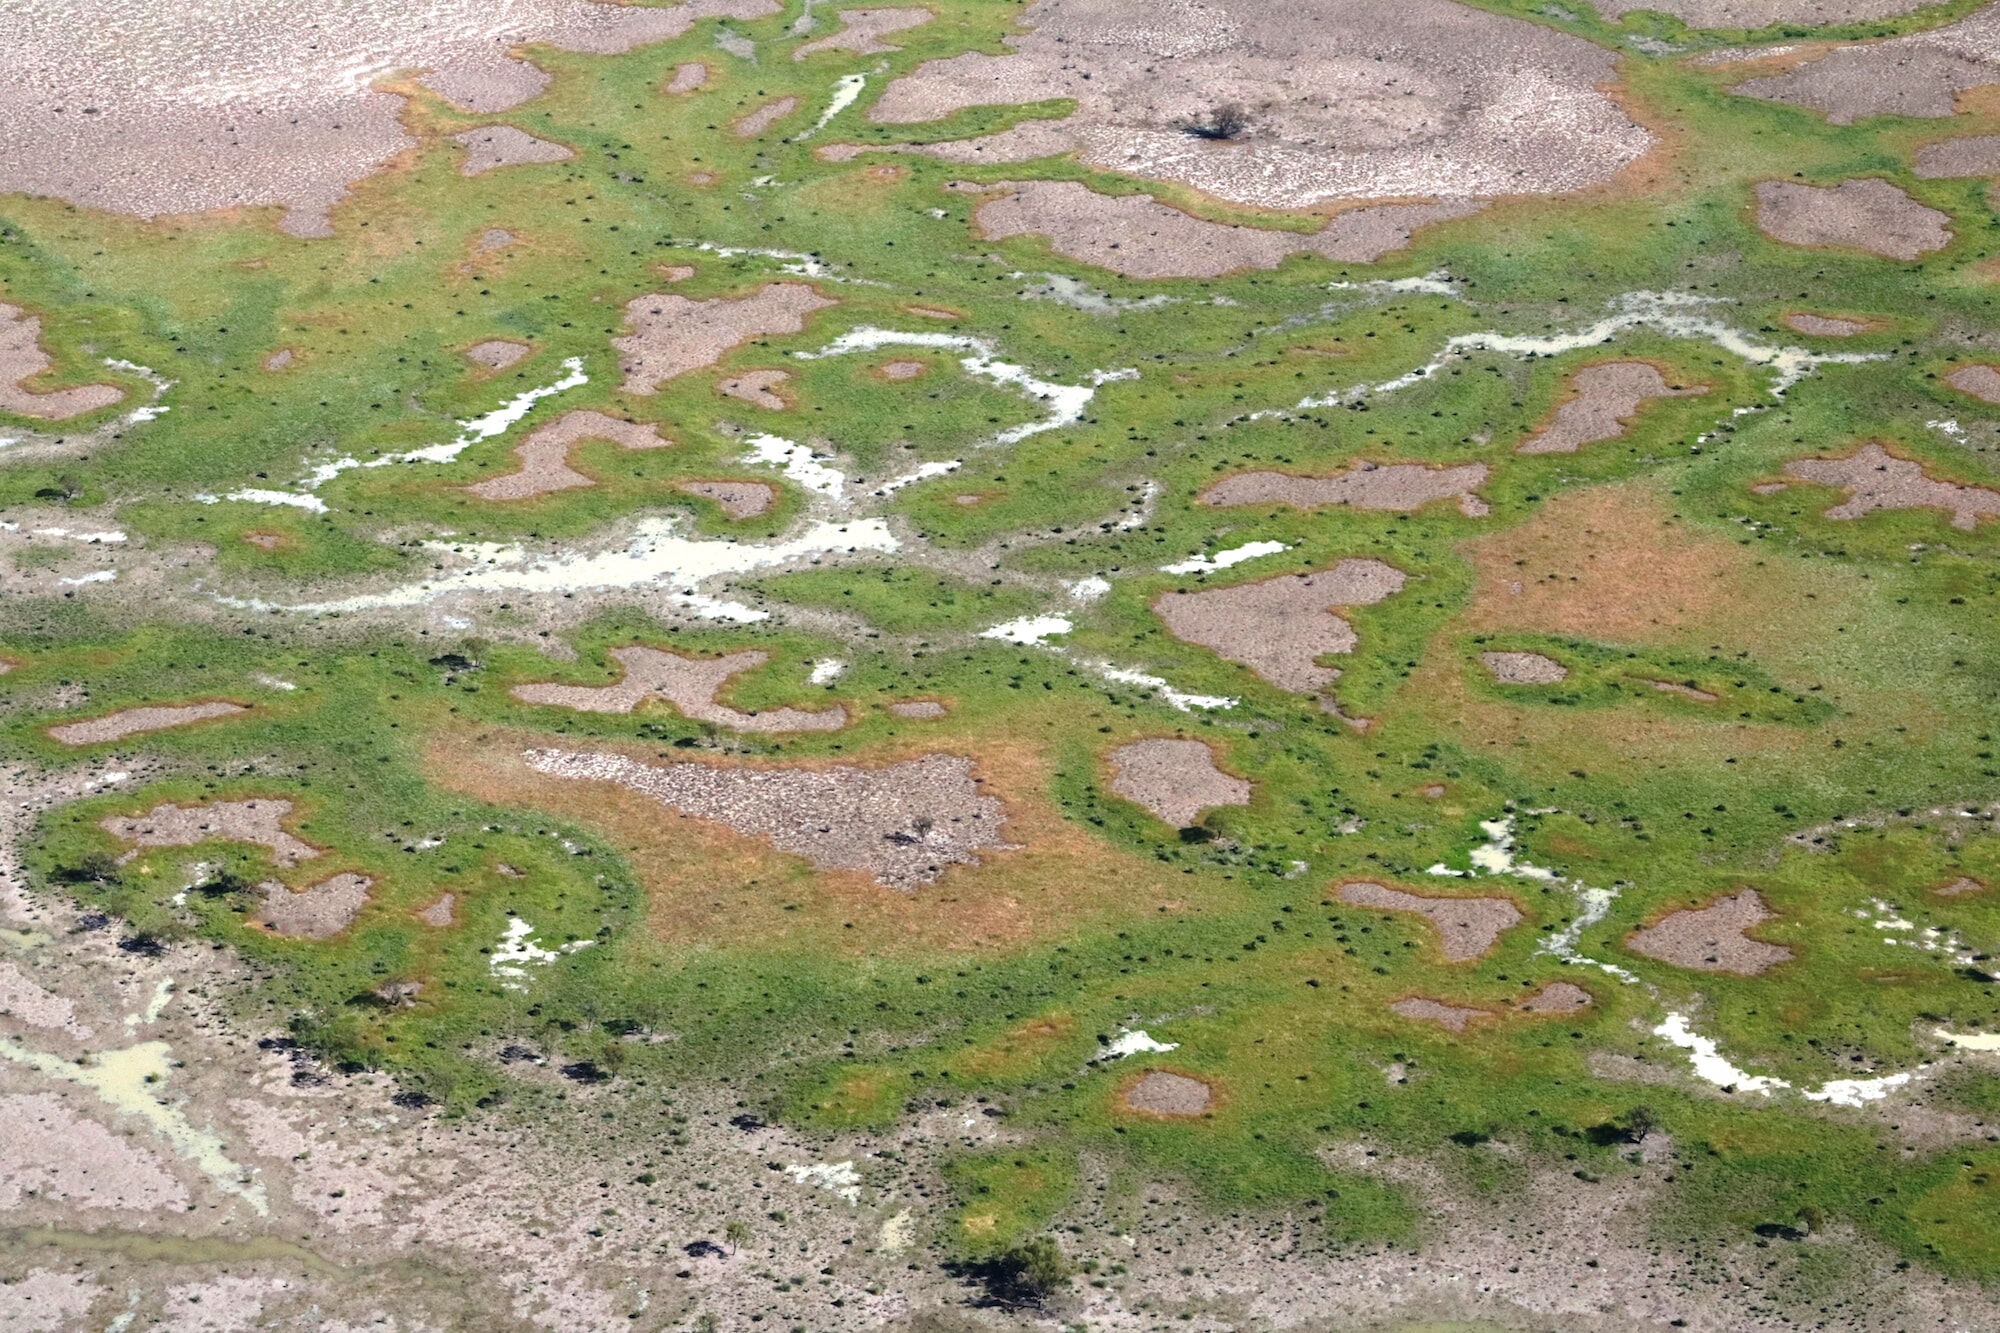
x=136 y=721
x=1604 y=400
x=1019 y=1051
x=544 y=455
x=1385 y=486
x=1865 y=213
x=1467 y=928
x=672 y=335
x=1713 y=938
x=690 y=684
x=1174 y=779
x=1876 y=479
x=22 y=359
x=255 y=821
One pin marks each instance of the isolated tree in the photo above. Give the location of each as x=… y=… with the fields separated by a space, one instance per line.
x=1033 y=1270
x=1639 y=1122
x=736 y=1233
x=1811 y=1219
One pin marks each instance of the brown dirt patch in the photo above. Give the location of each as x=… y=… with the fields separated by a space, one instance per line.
x=737 y=500
x=1962 y=887
x=1558 y=997
x=1982 y=382
x=266 y=540
x=904 y=824
x=1452 y=1017
x=968 y=500
x=494 y=238
x=254 y=821
x=1163 y=1094
x=316 y=912
x=934 y=312
x=544 y=455
x=22 y=359
x=1018 y=1051
x=1865 y=213
x=1876 y=479
x=904 y=370
x=1281 y=627
x=439 y=913
x=1828 y=326
x=1605 y=563
x=688 y=76
x=674 y=272
x=1524 y=668
x=862 y=31
x=1136 y=236
x=279 y=359
x=1968 y=155
x=493 y=146
x=1604 y=400
x=758 y=387
x=1752 y=14
x=497 y=353
x=1712 y=938
x=1467 y=928
x=1918 y=75
x=919 y=710
x=690 y=684
x=135 y=721
x=1349 y=100
x=672 y=335
x=764 y=117
x=1685 y=691
x=1392 y=486
x=1174 y=779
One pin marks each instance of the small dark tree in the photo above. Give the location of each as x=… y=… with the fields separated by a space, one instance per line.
x=1029 y=1271
x=1639 y=1122
x=90 y=868
x=1227 y=120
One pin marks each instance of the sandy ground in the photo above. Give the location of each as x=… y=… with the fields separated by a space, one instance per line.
x=905 y=824
x=689 y=684
x=1876 y=479
x=1962 y=887
x=764 y=117
x=672 y=335
x=1982 y=382
x=51 y=1153
x=1161 y=1093
x=497 y=353
x=316 y=912
x=1467 y=927
x=1968 y=155
x=737 y=499
x=862 y=30
x=22 y=358
x=1524 y=668
x=1558 y=997
x=1349 y=99
x=1398 y=486
x=1604 y=400
x=1453 y=1017
x=1825 y=326
x=544 y=455
x=1711 y=939
x=1762 y=13
x=134 y=721
x=1865 y=213
x=254 y=821
x=279 y=359
x=1918 y=75
x=758 y=387
x=903 y=370
x=439 y=913
x=493 y=146
x=687 y=78
x=1137 y=237
x=1174 y=779
x=920 y=710
x=179 y=106
x=1281 y=627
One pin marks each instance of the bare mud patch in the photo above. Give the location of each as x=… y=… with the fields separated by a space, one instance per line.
x=1866 y=213
x=1875 y=479
x=1918 y=75
x=22 y=359
x=1524 y=668
x=1827 y=326
x=1762 y=13
x=1558 y=997
x=439 y=914
x=736 y=499
x=497 y=353
x=1467 y=928
x=1387 y=486
x=491 y=147
x=279 y=359
x=764 y=117
x=253 y=821
x=1967 y=155
x=1281 y=627
x=672 y=335
x=1136 y=236
x=1962 y=887
x=316 y=912
x=1684 y=690
x=690 y=684
x=1174 y=779
x=687 y=78
x=1982 y=382
x=759 y=387
x=50 y=1153
x=1348 y=100
x=1605 y=400
x=136 y=721
x=1163 y=1094
x=904 y=824
x=1711 y=939
x=1451 y=1017
x=862 y=31
x=919 y=710
x=544 y=455
x=904 y=370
